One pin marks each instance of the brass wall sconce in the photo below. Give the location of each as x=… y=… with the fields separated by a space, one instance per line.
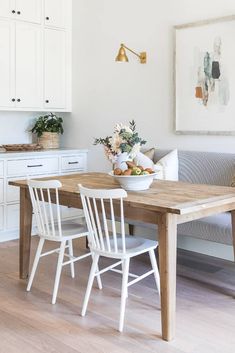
x=123 y=57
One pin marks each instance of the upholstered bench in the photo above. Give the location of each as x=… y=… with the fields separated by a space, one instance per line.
x=203 y=168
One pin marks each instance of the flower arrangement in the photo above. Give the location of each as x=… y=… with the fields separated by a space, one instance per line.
x=124 y=139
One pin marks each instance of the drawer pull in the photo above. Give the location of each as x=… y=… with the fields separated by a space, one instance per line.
x=72 y=162
x=35 y=165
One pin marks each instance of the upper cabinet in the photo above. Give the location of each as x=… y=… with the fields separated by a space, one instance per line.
x=35 y=55
x=55 y=13
x=29 y=67
x=7 y=73
x=24 y=10
x=6 y=8
x=28 y=10
x=55 y=69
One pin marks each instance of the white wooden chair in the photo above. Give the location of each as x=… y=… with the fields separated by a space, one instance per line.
x=97 y=205
x=50 y=227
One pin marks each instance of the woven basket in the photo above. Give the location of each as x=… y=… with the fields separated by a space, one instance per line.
x=49 y=140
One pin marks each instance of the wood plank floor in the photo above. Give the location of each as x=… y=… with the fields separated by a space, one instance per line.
x=29 y=323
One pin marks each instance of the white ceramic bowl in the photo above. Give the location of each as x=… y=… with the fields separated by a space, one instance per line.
x=134 y=182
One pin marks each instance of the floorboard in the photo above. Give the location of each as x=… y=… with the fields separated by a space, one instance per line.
x=30 y=324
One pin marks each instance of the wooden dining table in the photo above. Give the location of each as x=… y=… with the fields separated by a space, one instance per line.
x=165 y=204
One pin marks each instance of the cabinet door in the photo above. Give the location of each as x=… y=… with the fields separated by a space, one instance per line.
x=7 y=8
x=55 y=13
x=7 y=83
x=28 y=66
x=29 y=11
x=55 y=69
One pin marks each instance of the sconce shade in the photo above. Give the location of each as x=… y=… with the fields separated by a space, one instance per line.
x=122 y=55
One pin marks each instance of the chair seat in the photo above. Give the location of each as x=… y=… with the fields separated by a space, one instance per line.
x=71 y=229
x=134 y=246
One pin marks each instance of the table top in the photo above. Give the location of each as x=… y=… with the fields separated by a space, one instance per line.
x=163 y=196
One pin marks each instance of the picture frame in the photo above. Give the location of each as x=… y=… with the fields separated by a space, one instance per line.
x=204 y=77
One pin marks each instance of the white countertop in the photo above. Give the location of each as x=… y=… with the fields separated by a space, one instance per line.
x=60 y=151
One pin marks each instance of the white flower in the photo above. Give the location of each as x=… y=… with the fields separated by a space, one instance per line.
x=135 y=150
x=115 y=142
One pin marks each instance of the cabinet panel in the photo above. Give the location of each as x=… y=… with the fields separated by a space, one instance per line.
x=28 y=66
x=1 y=217
x=6 y=8
x=1 y=168
x=55 y=13
x=28 y=10
x=1 y=191
x=55 y=69
x=12 y=216
x=7 y=72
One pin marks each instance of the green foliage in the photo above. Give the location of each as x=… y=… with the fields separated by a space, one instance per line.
x=48 y=123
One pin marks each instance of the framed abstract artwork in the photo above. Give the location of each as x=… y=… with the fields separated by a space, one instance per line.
x=205 y=77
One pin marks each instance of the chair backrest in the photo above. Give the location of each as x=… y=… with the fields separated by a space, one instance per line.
x=99 y=208
x=47 y=214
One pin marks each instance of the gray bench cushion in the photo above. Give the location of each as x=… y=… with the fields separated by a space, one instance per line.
x=214 y=228
x=204 y=168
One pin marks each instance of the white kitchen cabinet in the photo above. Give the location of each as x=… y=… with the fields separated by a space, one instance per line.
x=29 y=68
x=23 y=10
x=28 y=10
x=6 y=8
x=7 y=73
x=35 y=55
x=15 y=166
x=55 y=13
x=1 y=191
x=54 y=69
x=1 y=217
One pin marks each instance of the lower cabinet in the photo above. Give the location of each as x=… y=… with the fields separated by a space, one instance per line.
x=1 y=191
x=60 y=163
x=12 y=216
x=1 y=218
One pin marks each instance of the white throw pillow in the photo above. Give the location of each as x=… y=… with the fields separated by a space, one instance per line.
x=168 y=167
x=143 y=160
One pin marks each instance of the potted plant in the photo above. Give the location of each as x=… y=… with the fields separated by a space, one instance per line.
x=48 y=128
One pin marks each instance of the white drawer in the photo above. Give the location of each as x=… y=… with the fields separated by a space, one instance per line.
x=1 y=217
x=1 y=168
x=1 y=191
x=29 y=167
x=75 y=162
x=12 y=216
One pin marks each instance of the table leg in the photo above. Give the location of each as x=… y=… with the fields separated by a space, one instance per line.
x=25 y=232
x=167 y=229
x=233 y=231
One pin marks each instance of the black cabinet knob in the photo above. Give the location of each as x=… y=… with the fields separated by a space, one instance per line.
x=13 y=11
x=18 y=100
x=13 y=100
x=47 y=101
x=47 y=18
x=18 y=12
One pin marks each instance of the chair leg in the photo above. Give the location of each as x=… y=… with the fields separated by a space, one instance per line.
x=98 y=278
x=126 y=263
x=155 y=268
x=90 y=283
x=70 y=242
x=35 y=263
x=58 y=271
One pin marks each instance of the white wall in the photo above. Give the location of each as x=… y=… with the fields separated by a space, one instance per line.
x=106 y=92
